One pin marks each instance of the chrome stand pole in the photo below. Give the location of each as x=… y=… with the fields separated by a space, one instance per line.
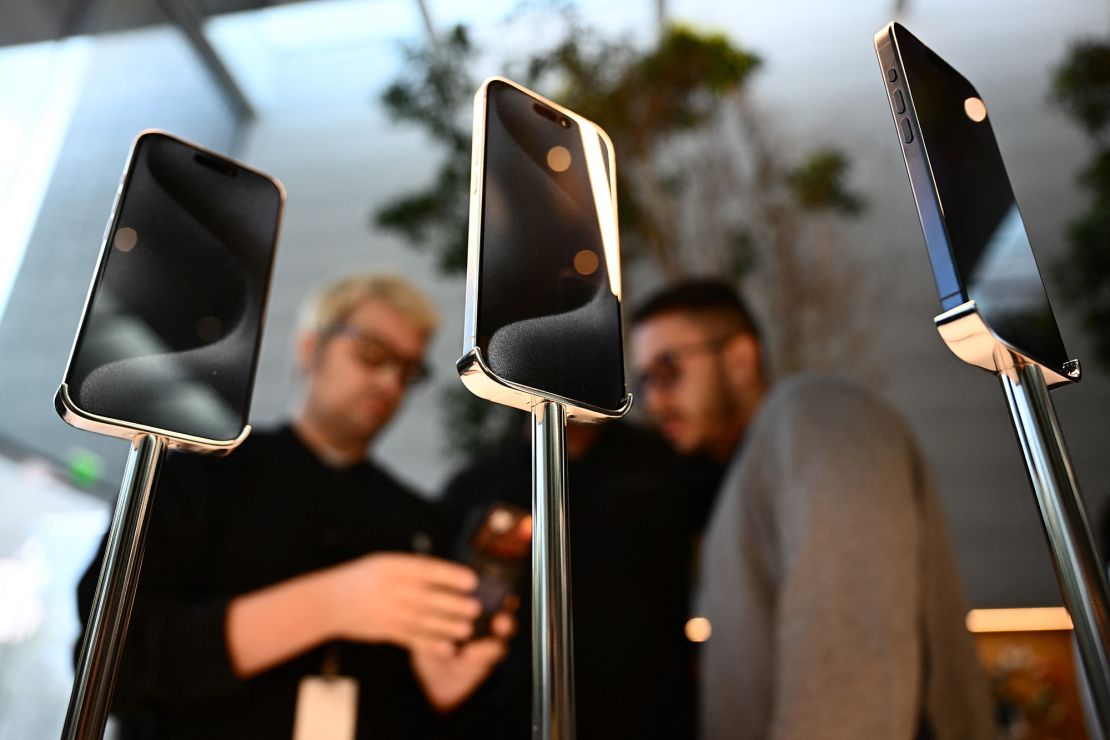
x=1081 y=577
x=552 y=641
x=95 y=680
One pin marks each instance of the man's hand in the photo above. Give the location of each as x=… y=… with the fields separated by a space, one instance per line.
x=415 y=601
x=449 y=676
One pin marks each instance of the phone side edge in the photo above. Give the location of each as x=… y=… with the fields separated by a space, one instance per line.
x=264 y=306
x=474 y=225
x=613 y=261
x=883 y=36
x=101 y=259
x=608 y=141
x=950 y=288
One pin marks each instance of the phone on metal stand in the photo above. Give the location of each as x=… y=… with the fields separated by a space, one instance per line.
x=543 y=298
x=164 y=355
x=996 y=313
x=978 y=247
x=168 y=341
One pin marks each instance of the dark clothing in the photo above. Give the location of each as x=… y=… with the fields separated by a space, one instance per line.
x=224 y=527
x=634 y=508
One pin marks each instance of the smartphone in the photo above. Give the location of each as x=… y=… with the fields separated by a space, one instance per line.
x=169 y=338
x=496 y=543
x=543 y=299
x=977 y=243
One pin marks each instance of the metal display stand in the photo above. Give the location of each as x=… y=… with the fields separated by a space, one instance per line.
x=1065 y=522
x=552 y=638
x=1078 y=570
x=95 y=679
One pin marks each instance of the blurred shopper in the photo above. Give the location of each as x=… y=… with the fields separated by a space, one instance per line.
x=827 y=574
x=634 y=507
x=296 y=557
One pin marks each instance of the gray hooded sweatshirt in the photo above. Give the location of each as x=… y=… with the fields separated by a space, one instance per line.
x=830 y=583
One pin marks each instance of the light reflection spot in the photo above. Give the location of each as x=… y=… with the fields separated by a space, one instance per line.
x=698 y=629
x=500 y=521
x=586 y=262
x=558 y=158
x=125 y=239
x=975 y=109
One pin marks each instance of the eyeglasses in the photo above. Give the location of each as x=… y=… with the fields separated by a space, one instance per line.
x=666 y=369
x=374 y=354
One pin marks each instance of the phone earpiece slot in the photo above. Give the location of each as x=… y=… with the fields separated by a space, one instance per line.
x=545 y=111
x=214 y=164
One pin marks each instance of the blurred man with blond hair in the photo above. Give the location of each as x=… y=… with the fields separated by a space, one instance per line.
x=297 y=568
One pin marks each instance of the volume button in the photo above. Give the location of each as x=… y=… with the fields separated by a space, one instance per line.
x=907 y=131
x=899 y=102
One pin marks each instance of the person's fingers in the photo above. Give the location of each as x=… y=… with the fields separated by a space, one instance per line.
x=402 y=569
x=436 y=571
x=503 y=625
x=444 y=603
x=445 y=574
x=441 y=627
x=484 y=652
x=399 y=627
x=425 y=611
x=435 y=648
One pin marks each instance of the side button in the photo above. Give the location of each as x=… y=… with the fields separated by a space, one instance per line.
x=907 y=132
x=892 y=74
x=899 y=102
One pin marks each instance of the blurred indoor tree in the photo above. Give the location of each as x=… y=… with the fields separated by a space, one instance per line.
x=435 y=93
x=703 y=188
x=1081 y=87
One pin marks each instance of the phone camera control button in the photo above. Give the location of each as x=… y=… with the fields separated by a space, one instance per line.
x=892 y=74
x=899 y=102
x=907 y=132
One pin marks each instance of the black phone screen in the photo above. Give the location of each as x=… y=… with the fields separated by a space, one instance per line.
x=548 y=312
x=171 y=332
x=986 y=235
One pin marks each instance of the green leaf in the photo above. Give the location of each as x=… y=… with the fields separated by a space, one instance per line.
x=1081 y=85
x=818 y=183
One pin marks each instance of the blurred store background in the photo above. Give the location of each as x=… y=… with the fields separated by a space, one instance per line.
x=754 y=140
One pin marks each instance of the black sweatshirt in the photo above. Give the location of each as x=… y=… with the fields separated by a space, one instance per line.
x=222 y=527
x=635 y=509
